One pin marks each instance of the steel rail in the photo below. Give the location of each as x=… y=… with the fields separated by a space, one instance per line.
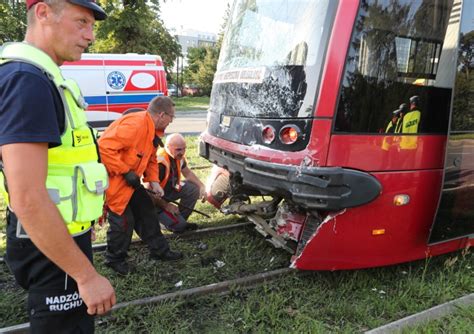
x=200 y=167
x=186 y=235
x=430 y=314
x=179 y=204
x=223 y=287
x=250 y=281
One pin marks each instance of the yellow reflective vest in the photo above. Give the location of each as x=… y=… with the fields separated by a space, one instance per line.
x=410 y=122
x=76 y=180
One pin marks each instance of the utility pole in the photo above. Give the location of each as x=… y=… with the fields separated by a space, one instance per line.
x=177 y=76
x=182 y=71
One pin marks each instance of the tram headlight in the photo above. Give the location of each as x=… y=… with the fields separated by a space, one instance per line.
x=401 y=199
x=268 y=134
x=289 y=134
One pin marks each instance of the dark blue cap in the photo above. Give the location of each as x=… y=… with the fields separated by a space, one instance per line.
x=99 y=13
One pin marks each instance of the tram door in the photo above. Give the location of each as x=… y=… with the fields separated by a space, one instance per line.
x=455 y=217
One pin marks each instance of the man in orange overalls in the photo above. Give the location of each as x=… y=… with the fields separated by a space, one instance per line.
x=128 y=150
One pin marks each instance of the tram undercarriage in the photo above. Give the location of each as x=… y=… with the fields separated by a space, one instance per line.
x=282 y=222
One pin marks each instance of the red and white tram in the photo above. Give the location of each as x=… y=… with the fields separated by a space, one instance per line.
x=301 y=105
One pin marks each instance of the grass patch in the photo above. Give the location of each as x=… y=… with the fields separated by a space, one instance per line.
x=186 y=103
x=316 y=302
x=3 y=226
x=226 y=256
x=461 y=136
x=311 y=302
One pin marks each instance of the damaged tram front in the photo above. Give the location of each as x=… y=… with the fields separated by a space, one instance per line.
x=329 y=122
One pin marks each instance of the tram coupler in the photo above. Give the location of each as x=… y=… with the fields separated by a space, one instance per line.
x=263 y=209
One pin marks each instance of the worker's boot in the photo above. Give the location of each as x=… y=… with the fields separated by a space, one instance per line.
x=191 y=227
x=169 y=255
x=187 y=227
x=120 y=268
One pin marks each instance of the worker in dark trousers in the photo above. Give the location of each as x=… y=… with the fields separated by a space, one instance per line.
x=128 y=150
x=51 y=178
x=171 y=166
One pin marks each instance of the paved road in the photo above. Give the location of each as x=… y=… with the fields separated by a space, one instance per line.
x=188 y=122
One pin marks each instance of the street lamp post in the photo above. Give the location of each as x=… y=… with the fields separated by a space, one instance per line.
x=177 y=76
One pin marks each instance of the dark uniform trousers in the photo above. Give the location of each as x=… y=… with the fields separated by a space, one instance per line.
x=187 y=196
x=140 y=216
x=54 y=305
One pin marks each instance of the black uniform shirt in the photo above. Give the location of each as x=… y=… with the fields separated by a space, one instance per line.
x=173 y=178
x=31 y=109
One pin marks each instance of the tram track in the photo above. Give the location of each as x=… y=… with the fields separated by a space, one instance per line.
x=186 y=235
x=254 y=280
x=223 y=287
x=433 y=313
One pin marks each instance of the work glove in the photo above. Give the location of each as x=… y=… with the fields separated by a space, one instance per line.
x=202 y=193
x=173 y=209
x=132 y=179
x=156 y=188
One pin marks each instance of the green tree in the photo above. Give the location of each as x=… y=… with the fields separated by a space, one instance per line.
x=223 y=28
x=135 y=26
x=12 y=21
x=195 y=58
x=463 y=108
x=202 y=61
x=205 y=73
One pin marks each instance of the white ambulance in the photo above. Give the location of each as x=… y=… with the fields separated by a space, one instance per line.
x=115 y=83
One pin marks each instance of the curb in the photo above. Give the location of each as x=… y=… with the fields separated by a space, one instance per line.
x=433 y=313
x=184 y=133
x=191 y=112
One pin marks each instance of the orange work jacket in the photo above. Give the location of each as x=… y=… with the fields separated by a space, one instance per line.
x=127 y=144
x=164 y=159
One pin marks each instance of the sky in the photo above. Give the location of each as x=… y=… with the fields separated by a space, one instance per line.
x=202 y=15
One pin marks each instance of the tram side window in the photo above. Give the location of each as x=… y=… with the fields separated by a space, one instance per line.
x=463 y=103
x=399 y=49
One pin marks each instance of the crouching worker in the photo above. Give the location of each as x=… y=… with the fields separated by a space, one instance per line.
x=128 y=150
x=171 y=165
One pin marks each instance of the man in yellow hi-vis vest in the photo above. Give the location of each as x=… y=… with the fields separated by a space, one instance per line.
x=51 y=178
x=409 y=125
x=411 y=120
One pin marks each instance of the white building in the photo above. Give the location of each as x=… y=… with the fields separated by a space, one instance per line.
x=190 y=38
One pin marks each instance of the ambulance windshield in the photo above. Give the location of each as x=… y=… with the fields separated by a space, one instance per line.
x=271 y=58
